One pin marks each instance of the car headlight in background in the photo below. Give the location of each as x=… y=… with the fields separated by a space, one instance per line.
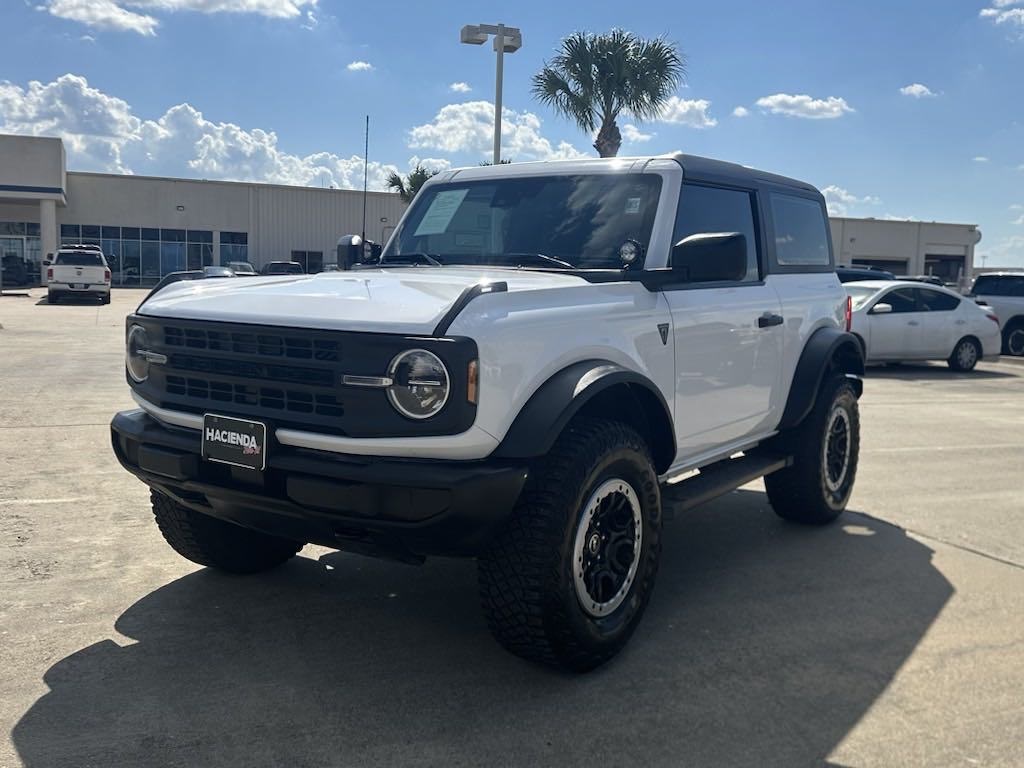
x=420 y=384
x=135 y=360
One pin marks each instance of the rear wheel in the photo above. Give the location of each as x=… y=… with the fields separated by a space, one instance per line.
x=825 y=448
x=208 y=541
x=965 y=355
x=567 y=580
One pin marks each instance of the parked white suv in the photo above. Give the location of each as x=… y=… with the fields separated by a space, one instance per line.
x=1004 y=292
x=78 y=270
x=541 y=347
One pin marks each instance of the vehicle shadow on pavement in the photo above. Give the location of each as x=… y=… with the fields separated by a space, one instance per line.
x=764 y=644
x=936 y=372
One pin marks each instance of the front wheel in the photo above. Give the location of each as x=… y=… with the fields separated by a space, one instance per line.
x=825 y=449
x=219 y=544
x=567 y=580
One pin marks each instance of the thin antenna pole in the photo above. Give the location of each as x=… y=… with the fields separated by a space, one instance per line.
x=366 y=163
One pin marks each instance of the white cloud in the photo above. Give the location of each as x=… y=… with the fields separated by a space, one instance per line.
x=689 y=112
x=102 y=133
x=841 y=202
x=359 y=66
x=981 y=159
x=633 y=135
x=1002 y=12
x=741 y=112
x=460 y=87
x=103 y=14
x=802 y=105
x=468 y=127
x=918 y=91
x=132 y=16
x=1007 y=252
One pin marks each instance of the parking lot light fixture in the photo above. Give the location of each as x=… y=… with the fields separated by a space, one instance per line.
x=506 y=40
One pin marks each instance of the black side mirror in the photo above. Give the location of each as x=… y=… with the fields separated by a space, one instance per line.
x=710 y=257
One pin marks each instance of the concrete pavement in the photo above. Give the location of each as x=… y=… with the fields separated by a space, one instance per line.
x=895 y=637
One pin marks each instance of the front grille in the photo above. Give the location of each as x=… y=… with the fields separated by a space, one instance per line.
x=265 y=344
x=291 y=377
x=270 y=398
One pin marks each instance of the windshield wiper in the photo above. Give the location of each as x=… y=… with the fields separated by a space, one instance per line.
x=539 y=257
x=404 y=259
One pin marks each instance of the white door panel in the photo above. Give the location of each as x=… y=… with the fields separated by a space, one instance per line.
x=727 y=367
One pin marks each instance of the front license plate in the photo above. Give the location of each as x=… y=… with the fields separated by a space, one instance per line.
x=238 y=442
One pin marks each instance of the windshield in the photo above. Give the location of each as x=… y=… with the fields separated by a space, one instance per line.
x=549 y=222
x=860 y=294
x=80 y=259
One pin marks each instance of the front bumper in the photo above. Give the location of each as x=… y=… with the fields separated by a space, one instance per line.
x=402 y=508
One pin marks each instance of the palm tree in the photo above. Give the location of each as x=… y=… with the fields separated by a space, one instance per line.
x=595 y=78
x=409 y=187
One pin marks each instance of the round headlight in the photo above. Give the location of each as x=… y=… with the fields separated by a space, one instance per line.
x=420 y=384
x=138 y=366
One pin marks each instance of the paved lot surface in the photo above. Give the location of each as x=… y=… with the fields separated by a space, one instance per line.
x=894 y=638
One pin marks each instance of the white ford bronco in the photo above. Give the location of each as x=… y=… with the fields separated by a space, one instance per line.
x=544 y=360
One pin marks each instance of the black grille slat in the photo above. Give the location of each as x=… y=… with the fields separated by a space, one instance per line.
x=272 y=345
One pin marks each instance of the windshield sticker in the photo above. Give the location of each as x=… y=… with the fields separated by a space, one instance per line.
x=632 y=205
x=439 y=215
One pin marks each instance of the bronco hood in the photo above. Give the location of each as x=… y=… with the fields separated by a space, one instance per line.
x=409 y=300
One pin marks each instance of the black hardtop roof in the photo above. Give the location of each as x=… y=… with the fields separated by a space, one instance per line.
x=697 y=167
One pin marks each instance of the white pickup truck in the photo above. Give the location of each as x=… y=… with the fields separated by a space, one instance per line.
x=78 y=270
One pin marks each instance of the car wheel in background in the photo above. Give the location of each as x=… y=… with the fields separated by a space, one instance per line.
x=965 y=355
x=1013 y=339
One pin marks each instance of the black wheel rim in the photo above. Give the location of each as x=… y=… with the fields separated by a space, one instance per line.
x=606 y=550
x=836 y=455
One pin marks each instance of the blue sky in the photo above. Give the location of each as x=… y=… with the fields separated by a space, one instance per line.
x=909 y=109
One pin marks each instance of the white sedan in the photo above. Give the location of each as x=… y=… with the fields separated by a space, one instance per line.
x=899 y=320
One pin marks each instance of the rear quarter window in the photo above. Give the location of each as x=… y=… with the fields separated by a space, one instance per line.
x=801 y=231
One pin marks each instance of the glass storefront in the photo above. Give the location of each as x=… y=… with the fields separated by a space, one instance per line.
x=142 y=255
x=19 y=253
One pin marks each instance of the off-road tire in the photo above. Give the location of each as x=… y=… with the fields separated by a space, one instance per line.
x=805 y=492
x=963 y=359
x=1013 y=338
x=528 y=587
x=215 y=543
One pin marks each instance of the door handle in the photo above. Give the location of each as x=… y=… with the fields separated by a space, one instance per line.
x=769 y=319
x=912 y=322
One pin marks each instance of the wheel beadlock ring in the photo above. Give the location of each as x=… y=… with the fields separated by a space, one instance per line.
x=836 y=450
x=609 y=531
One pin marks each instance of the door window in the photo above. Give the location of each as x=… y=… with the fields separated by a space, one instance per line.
x=713 y=209
x=936 y=301
x=901 y=300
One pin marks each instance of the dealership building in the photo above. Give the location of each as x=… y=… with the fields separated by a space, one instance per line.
x=148 y=226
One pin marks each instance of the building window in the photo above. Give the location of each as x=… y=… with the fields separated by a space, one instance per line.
x=234 y=246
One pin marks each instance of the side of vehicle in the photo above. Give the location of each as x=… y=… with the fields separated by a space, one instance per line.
x=531 y=418
x=1004 y=292
x=78 y=271
x=905 y=321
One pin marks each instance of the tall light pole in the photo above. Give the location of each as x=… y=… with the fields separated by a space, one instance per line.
x=506 y=40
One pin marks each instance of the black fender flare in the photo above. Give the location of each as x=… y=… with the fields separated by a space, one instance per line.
x=828 y=350
x=554 y=404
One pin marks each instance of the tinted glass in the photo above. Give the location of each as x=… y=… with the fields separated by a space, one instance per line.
x=710 y=209
x=582 y=221
x=801 y=234
x=80 y=259
x=936 y=301
x=901 y=300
